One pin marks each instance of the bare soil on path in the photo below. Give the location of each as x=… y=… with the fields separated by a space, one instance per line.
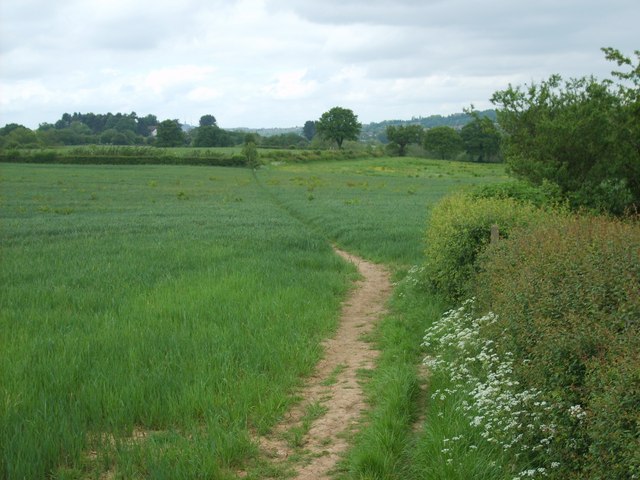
x=334 y=385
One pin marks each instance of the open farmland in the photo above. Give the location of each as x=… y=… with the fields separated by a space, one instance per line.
x=151 y=317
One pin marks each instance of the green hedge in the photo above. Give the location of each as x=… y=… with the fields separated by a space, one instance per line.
x=121 y=157
x=115 y=155
x=567 y=295
x=543 y=196
x=460 y=228
x=305 y=156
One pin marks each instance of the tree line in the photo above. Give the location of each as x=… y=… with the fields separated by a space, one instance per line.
x=332 y=129
x=479 y=139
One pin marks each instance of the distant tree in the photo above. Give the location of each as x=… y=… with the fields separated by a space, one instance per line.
x=339 y=124
x=443 y=141
x=18 y=137
x=403 y=135
x=481 y=139
x=115 y=137
x=251 y=137
x=284 y=140
x=208 y=121
x=234 y=137
x=122 y=123
x=146 y=124
x=77 y=133
x=210 y=136
x=64 y=122
x=48 y=135
x=9 y=127
x=170 y=134
x=45 y=126
x=250 y=153
x=309 y=129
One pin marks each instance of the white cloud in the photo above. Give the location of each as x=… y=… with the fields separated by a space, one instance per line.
x=281 y=62
x=291 y=85
x=200 y=94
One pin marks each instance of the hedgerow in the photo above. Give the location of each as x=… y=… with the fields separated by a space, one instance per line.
x=567 y=297
x=131 y=155
x=558 y=309
x=460 y=228
x=121 y=156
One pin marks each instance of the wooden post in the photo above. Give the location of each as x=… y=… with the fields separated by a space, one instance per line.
x=495 y=234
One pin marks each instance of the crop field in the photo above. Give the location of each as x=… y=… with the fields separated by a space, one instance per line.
x=153 y=317
x=377 y=208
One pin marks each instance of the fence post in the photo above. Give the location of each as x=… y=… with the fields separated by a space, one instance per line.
x=495 y=234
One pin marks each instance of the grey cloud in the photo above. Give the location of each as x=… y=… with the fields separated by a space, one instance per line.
x=383 y=58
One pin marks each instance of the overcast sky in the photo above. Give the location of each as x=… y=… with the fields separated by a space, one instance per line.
x=278 y=63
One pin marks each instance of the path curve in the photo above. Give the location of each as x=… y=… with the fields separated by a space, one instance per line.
x=335 y=382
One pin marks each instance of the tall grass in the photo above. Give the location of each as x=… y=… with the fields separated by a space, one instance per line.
x=379 y=209
x=376 y=208
x=174 y=304
x=152 y=316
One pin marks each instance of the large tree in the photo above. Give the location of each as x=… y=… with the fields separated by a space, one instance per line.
x=443 y=141
x=339 y=124
x=210 y=136
x=582 y=135
x=18 y=136
x=403 y=135
x=481 y=139
x=208 y=121
x=146 y=124
x=309 y=129
x=170 y=134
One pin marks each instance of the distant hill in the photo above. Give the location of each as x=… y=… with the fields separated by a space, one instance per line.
x=457 y=120
x=376 y=131
x=268 y=132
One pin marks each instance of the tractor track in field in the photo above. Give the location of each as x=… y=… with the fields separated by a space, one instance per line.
x=334 y=387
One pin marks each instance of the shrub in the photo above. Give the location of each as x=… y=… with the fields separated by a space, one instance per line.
x=582 y=134
x=460 y=228
x=130 y=155
x=250 y=153
x=567 y=295
x=547 y=194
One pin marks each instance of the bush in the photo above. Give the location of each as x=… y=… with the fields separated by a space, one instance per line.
x=567 y=295
x=547 y=194
x=460 y=228
x=130 y=155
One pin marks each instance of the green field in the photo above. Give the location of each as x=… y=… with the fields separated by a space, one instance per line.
x=151 y=317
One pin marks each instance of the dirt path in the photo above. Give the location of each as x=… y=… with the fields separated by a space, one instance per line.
x=334 y=388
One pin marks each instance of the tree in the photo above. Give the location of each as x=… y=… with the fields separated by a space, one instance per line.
x=284 y=140
x=18 y=137
x=339 y=124
x=10 y=127
x=64 y=122
x=146 y=124
x=77 y=133
x=481 y=139
x=309 y=129
x=403 y=135
x=210 y=136
x=208 y=121
x=581 y=135
x=170 y=134
x=114 y=137
x=250 y=153
x=121 y=123
x=443 y=141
